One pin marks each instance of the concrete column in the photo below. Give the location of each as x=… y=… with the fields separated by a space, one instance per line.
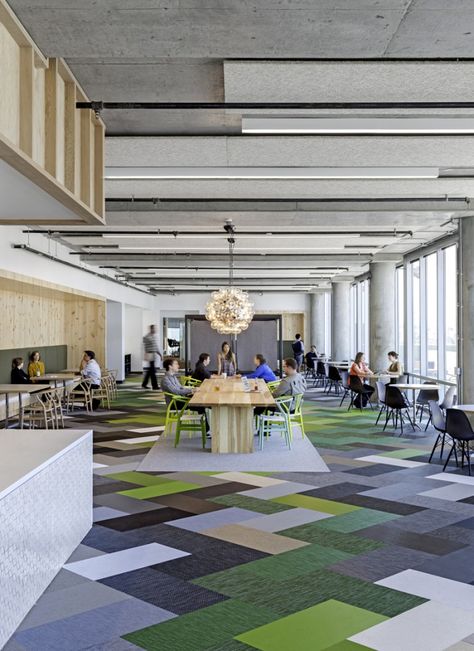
x=317 y=321
x=340 y=321
x=466 y=342
x=116 y=338
x=381 y=313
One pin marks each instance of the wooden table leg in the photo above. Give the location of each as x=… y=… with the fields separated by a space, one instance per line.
x=20 y=411
x=232 y=429
x=7 y=411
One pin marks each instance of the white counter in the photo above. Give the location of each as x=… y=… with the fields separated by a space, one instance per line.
x=45 y=512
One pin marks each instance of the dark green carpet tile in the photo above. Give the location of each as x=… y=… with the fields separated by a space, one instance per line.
x=204 y=629
x=251 y=503
x=279 y=567
x=315 y=533
x=232 y=645
x=289 y=595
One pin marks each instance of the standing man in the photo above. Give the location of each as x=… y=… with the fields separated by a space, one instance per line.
x=298 y=350
x=150 y=345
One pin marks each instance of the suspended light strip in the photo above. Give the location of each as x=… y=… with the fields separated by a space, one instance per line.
x=266 y=173
x=413 y=125
x=246 y=236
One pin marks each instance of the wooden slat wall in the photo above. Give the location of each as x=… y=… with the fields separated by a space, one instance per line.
x=38 y=118
x=36 y=314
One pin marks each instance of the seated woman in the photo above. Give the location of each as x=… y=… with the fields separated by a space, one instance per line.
x=18 y=375
x=395 y=368
x=361 y=371
x=262 y=371
x=36 y=365
x=200 y=372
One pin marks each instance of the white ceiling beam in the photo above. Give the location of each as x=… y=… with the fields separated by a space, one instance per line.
x=325 y=151
x=292 y=189
x=348 y=81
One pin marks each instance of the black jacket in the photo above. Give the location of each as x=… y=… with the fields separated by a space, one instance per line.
x=18 y=376
x=201 y=373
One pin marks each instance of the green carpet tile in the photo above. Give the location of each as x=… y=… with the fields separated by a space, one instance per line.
x=203 y=629
x=251 y=503
x=312 y=629
x=314 y=532
x=361 y=519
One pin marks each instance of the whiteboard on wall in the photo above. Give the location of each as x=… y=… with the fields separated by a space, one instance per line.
x=262 y=336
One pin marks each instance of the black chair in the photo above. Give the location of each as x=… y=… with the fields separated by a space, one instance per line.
x=361 y=391
x=320 y=374
x=460 y=430
x=346 y=386
x=381 y=389
x=334 y=380
x=424 y=398
x=397 y=405
x=310 y=365
x=439 y=423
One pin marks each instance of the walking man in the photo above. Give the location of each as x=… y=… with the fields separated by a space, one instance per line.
x=150 y=345
x=298 y=350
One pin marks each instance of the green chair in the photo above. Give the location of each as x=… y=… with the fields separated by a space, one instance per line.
x=177 y=412
x=294 y=412
x=273 y=385
x=188 y=381
x=277 y=421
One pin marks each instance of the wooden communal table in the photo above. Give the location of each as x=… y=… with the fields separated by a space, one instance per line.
x=63 y=377
x=7 y=389
x=232 y=411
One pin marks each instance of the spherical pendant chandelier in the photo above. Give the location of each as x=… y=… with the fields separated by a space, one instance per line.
x=230 y=310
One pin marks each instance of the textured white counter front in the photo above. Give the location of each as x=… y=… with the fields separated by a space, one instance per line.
x=45 y=512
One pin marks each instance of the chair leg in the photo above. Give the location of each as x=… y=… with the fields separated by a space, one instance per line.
x=449 y=456
x=203 y=431
x=434 y=448
x=177 y=435
x=428 y=423
x=410 y=420
x=468 y=456
x=382 y=409
x=389 y=413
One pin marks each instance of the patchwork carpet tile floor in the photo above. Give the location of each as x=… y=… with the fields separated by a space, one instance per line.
x=378 y=553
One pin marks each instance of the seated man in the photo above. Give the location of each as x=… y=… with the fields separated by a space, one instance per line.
x=90 y=370
x=293 y=382
x=262 y=371
x=170 y=384
x=200 y=372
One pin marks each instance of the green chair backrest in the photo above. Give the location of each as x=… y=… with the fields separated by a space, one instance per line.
x=176 y=406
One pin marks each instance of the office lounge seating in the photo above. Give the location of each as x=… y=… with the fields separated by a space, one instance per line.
x=423 y=398
x=381 y=390
x=397 y=407
x=276 y=421
x=334 y=380
x=438 y=420
x=184 y=420
x=450 y=400
x=359 y=390
x=460 y=430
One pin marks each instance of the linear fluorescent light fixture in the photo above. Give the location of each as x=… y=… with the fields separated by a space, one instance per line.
x=266 y=173
x=357 y=125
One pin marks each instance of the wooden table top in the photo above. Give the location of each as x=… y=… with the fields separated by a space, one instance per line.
x=23 y=388
x=57 y=376
x=417 y=387
x=230 y=393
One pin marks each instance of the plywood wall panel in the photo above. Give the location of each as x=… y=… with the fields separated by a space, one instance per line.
x=38 y=117
x=60 y=126
x=32 y=315
x=10 y=81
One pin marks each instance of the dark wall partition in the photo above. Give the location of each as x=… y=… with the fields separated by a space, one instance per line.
x=54 y=357
x=262 y=336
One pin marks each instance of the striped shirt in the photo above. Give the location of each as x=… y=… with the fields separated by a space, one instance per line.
x=150 y=343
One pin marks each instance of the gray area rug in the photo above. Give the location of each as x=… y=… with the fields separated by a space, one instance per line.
x=275 y=457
